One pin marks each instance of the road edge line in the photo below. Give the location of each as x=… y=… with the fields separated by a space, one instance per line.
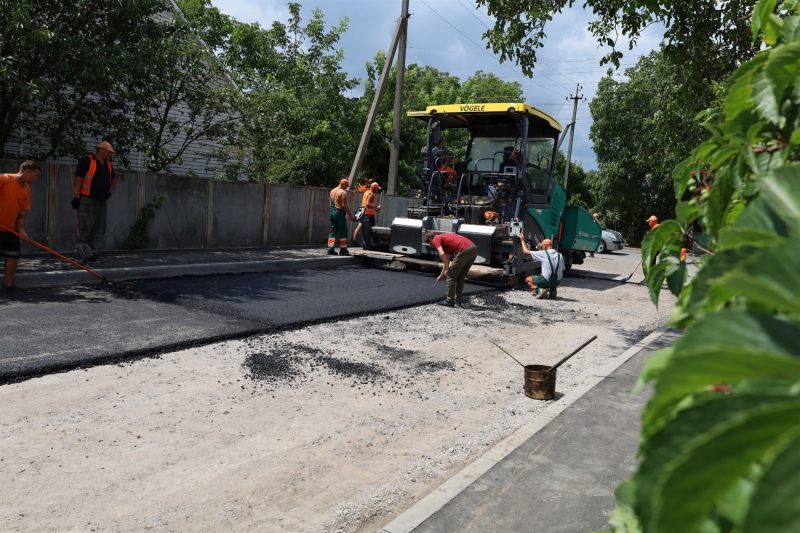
x=441 y=495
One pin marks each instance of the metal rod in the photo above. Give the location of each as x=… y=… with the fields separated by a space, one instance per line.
x=582 y=346
x=577 y=98
x=373 y=112
x=508 y=354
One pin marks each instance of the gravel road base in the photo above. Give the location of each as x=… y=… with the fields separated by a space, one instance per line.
x=337 y=427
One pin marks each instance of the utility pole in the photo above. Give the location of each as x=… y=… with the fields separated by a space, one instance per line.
x=576 y=99
x=373 y=111
x=394 y=156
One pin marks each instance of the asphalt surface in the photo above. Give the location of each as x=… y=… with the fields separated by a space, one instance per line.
x=50 y=330
x=562 y=479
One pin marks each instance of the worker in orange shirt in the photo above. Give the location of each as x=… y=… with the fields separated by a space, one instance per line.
x=370 y=204
x=15 y=202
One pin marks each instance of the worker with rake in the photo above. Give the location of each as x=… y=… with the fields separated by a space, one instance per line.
x=15 y=201
x=545 y=285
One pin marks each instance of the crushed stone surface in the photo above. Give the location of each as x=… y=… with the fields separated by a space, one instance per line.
x=332 y=428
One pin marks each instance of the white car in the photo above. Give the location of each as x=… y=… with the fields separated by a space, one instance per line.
x=610 y=241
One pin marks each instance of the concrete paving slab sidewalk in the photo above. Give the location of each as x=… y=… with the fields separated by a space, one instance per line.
x=559 y=479
x=42 y=269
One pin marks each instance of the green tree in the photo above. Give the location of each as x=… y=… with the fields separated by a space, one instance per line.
x=720 y=443
x=188 y=98
x=296 y=123
x=709 y=38
x=579 y=187
x=64 y=67
x=642 y=128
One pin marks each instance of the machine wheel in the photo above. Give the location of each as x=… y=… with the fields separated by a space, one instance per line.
x=602 y=248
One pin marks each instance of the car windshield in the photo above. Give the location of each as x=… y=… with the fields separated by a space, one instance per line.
x=487 y=152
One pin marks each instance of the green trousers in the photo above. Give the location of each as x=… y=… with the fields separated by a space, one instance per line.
x=338 y=229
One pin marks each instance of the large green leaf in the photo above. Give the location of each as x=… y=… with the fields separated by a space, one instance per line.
x=775 y=506
x=761 y=14
x=713 y=462
x=770 y=279
x=655 y=239
x=781 y=190
x=783 y=67
x=725 y=347
x=668 y=443
x=693 y=301
x=623 y=518
x=758 y=225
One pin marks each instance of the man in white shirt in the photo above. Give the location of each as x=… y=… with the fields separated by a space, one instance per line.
x=544 y=285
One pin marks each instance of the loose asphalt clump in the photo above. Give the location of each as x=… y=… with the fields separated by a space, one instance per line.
x=435 y=366
x=367 y=372
x=397 y=354
x=272 y=367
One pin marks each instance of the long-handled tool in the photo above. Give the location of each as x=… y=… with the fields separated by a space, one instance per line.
x=582 y=346
x=106 y=282
x=634 y=271
x=508 y=354
x=434 y=284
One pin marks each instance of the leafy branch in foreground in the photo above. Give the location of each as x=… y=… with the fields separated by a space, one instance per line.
x=720 y=444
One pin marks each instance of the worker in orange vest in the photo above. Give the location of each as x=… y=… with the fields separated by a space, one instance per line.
x=370 y=204
x=92 y=186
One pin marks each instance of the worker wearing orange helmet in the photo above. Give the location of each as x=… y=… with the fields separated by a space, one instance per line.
x=370 y=204
x=339 y=209
x=544 y=285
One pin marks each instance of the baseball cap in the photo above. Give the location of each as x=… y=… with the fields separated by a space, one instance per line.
x=652 y=218
x=105 y=145
x=547 y=242
x=374 y=185
x=344 y=182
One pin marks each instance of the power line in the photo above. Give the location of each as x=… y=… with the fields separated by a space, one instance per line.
x=477 y=45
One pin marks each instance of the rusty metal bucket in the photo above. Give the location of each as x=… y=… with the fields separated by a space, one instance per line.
x=539 y=383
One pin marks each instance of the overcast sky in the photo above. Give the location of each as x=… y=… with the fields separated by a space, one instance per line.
x=570 y=55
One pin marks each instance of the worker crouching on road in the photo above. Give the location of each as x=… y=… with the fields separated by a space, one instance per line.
x=339 y=209
x=546 y=284
x=92 y=186
x=15 y=201
x=464 y=253
x=370 y=204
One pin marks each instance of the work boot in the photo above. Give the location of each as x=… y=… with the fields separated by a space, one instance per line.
x=541 y=294
x=331 y=251
x=553 y=293
x=344 y=252
x=446 y=303
x=462 y=304
x=12 y=288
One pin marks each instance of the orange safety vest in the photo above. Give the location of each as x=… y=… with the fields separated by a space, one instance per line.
x=365 y=202
x=86 y=187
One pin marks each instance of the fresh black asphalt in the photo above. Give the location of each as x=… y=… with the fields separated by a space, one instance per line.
x=50 y=330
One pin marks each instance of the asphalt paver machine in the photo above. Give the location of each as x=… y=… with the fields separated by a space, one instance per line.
x=504 y=186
